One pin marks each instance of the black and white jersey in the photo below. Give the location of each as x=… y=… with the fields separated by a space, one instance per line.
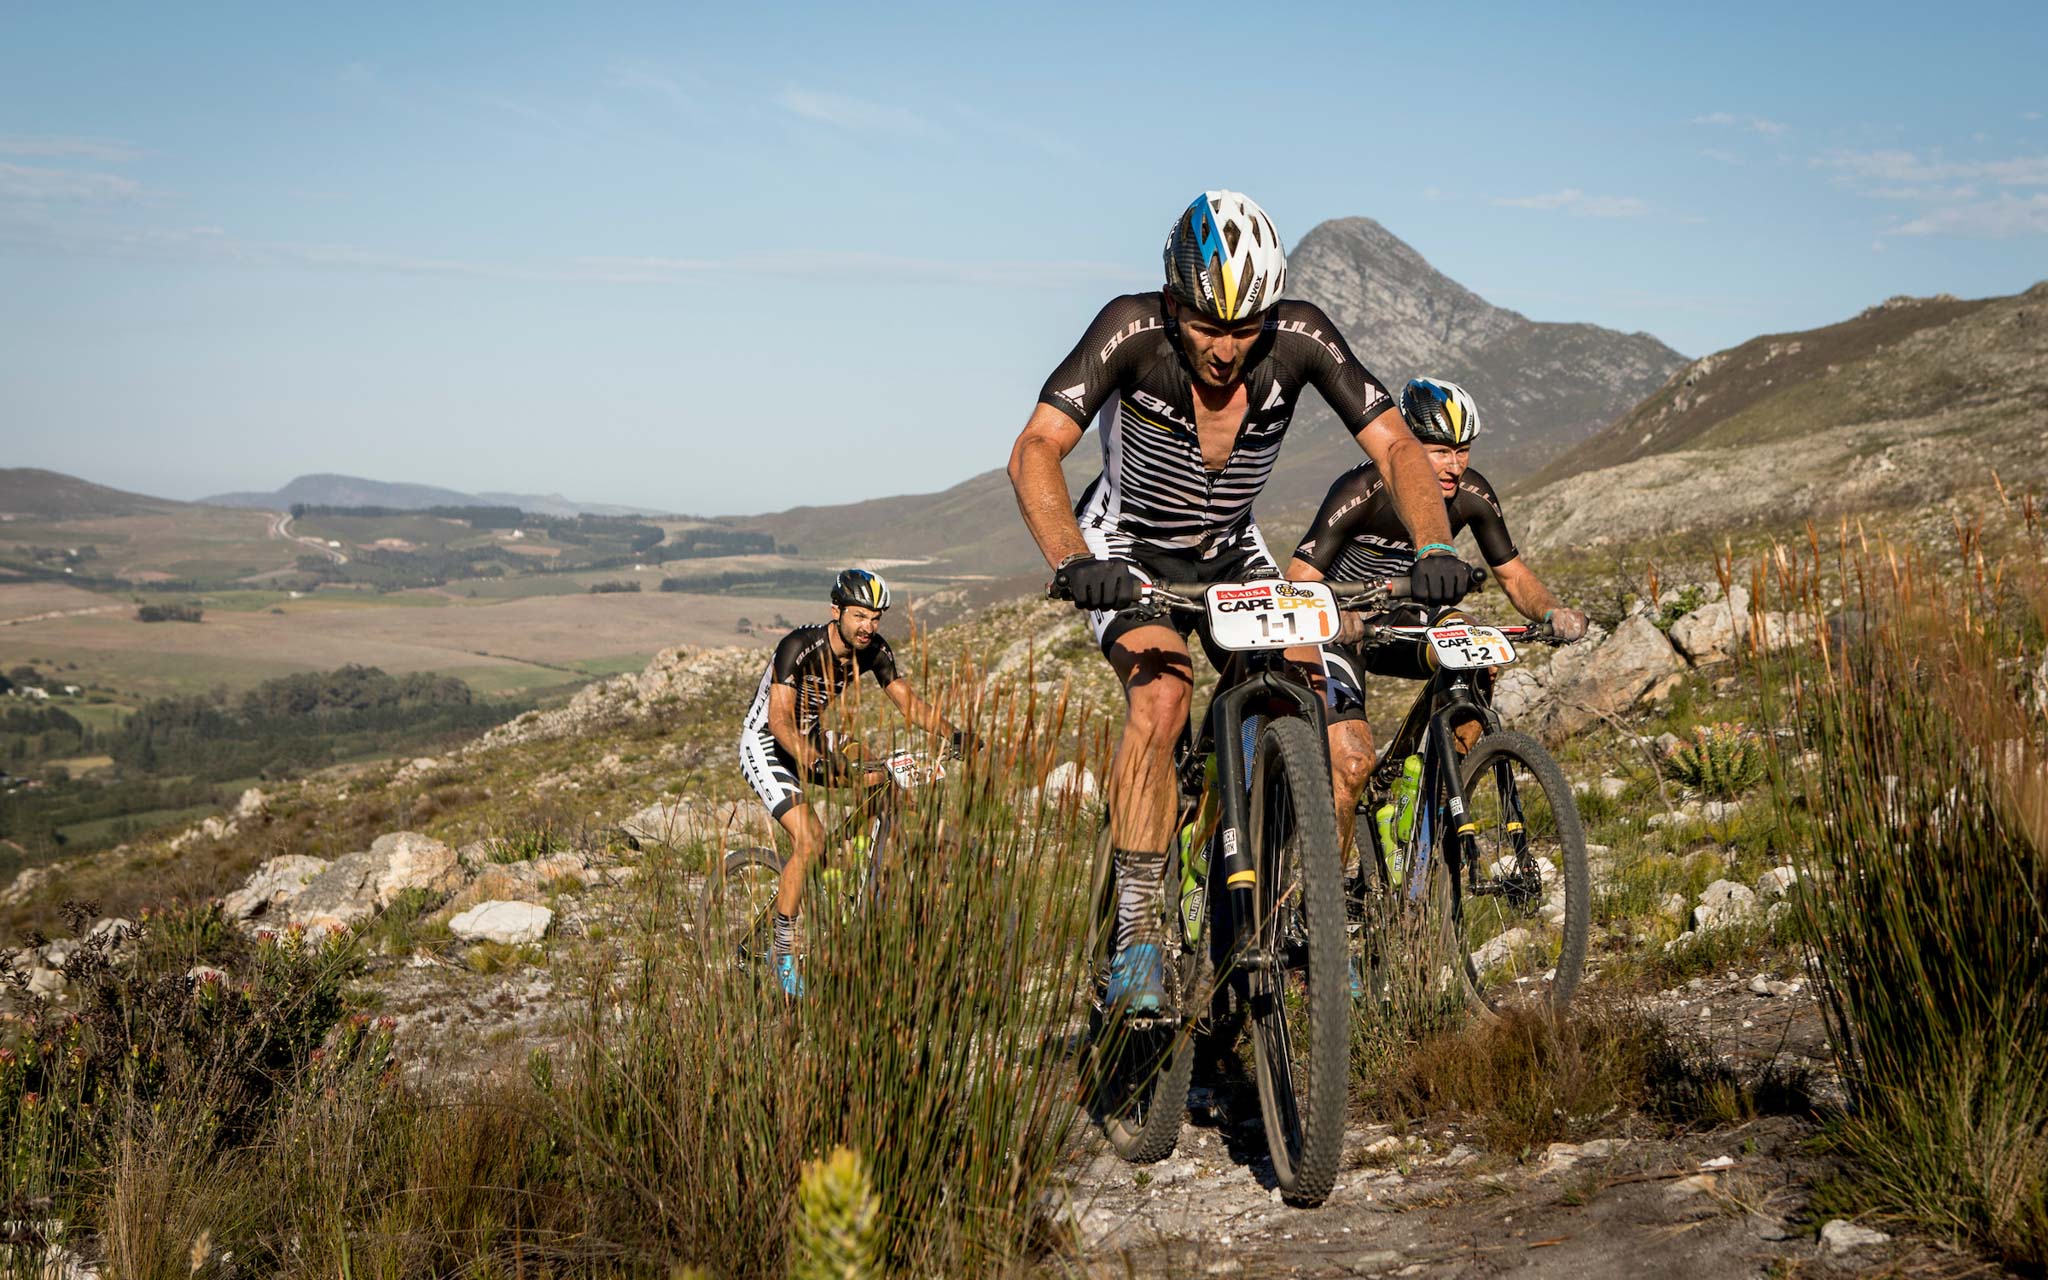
x=1128 y=376
x=1358 y=535
x=804 y=661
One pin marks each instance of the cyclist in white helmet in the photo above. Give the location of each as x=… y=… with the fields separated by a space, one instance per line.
x=1357 y=535
x=1193 y=387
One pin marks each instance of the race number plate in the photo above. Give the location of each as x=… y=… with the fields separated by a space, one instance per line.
x=914 y=769
x=1463 y=648
x=1271 y=614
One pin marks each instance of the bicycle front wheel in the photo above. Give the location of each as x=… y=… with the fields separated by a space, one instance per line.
x=1522 y=896
x=1135 y=1076
x=1297 y=985
x=736 y=919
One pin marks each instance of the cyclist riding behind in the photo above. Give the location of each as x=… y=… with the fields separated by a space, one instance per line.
x=1195 y=386
x=1358 y=534
x=783 y=738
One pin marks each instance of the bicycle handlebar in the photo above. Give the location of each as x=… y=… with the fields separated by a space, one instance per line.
x=1351 y=594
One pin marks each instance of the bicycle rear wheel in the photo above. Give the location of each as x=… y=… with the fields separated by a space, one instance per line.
x=1135 y=1072
x=1298 y=988
x=1523 y=895
x=736 y=919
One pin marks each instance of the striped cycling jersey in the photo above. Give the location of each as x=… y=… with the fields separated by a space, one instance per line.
x=1359 y=536
x=804 y=661
x=1155 y=491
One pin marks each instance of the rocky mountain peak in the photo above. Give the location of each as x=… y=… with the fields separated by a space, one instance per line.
x=1397 y=310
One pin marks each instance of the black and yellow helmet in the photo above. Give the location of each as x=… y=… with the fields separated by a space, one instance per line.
x=1439 y=412
x=861 y=587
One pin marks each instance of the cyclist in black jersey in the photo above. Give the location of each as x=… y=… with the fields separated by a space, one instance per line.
x=1358 y=535
x=784 y=740
x=1193 y=387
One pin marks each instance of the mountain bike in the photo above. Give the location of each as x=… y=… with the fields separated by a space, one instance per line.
x=737 y=914
x=1490 y=872
x=1253 y=906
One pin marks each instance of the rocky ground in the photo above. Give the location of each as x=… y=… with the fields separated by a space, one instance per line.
x=485 y=948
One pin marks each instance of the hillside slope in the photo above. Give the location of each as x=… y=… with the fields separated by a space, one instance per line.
x=1543 y=387
x=50 y=495
x=1903 y=407
x=328 y=490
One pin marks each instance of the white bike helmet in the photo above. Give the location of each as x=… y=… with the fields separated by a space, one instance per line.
x=1224 y=258
x=1440 y=412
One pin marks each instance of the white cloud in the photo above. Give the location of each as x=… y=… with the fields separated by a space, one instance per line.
x=855 y=114
x=211 y=245
x=2009 y=217
x=812 y=264
x=79 y=148
x=2030 y=115
x=1729 y=120
x=40 y=186
x=1578 y=204
x=1725 y=157
x=1912 y=168
x=654 y=84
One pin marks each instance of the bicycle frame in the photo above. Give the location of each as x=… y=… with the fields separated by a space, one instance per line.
x=1447 y=700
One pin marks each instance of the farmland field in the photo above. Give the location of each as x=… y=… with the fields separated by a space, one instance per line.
x=499 y=646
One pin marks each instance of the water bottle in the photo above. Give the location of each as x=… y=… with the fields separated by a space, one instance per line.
x=1194 y=876
x=1407 y=791
x=1389 y=846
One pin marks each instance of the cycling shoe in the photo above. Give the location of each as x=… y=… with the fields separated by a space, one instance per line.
x=789 y=972
x=1137 y=978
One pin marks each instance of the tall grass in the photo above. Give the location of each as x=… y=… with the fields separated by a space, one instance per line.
x=933 y=1038
x=1927 y=873
x=255 y=1127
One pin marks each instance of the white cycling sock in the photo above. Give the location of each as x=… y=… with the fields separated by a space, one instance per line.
x=1137 y=896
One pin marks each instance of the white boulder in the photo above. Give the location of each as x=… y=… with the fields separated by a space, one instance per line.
x=511 y=923
x=414 y=861
x=274 y=883
x=1724 y=903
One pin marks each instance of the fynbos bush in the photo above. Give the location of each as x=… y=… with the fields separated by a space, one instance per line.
x=1930 y=860
x=1721 y=761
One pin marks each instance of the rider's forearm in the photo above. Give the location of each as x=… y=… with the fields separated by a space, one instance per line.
x=798 y=746
x=1531 y=598
x=1417 y=498
x=1043 y=501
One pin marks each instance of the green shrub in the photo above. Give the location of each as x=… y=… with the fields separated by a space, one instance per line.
x=1930 y=875
x=837 y=1232
x=1722 y=761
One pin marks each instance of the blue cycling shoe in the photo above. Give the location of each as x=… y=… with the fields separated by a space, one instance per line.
x=789 y=972
x=1137 y=978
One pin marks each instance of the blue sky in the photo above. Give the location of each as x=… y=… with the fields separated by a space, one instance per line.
x=735 y=258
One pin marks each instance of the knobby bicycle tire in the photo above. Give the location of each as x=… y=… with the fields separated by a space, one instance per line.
x=734 y=932
x=1299 y=926
x=1137 y=1080
x=1548 y=965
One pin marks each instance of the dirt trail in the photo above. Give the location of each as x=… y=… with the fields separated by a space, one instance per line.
x=1638 y=1200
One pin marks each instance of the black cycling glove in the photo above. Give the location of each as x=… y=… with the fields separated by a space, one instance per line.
x=1439 y=579
x=964 y=742
x=1100 y=584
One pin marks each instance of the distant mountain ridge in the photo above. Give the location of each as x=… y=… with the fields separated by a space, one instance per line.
x=328 y=490
x=1541 y=388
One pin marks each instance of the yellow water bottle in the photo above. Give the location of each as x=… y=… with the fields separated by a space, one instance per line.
x=1407 y=791
x=1390 y=847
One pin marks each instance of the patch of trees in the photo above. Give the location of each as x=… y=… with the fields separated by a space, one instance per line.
x=475 y=517
x=168 y=613
x=615 y=586
x=298 y=722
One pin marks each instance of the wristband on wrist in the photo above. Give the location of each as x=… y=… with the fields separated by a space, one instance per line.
x=1076 y=558
x=1546 y=615
x=1436 y=546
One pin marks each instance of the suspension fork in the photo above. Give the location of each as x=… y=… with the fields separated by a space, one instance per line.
x=1440 y=776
